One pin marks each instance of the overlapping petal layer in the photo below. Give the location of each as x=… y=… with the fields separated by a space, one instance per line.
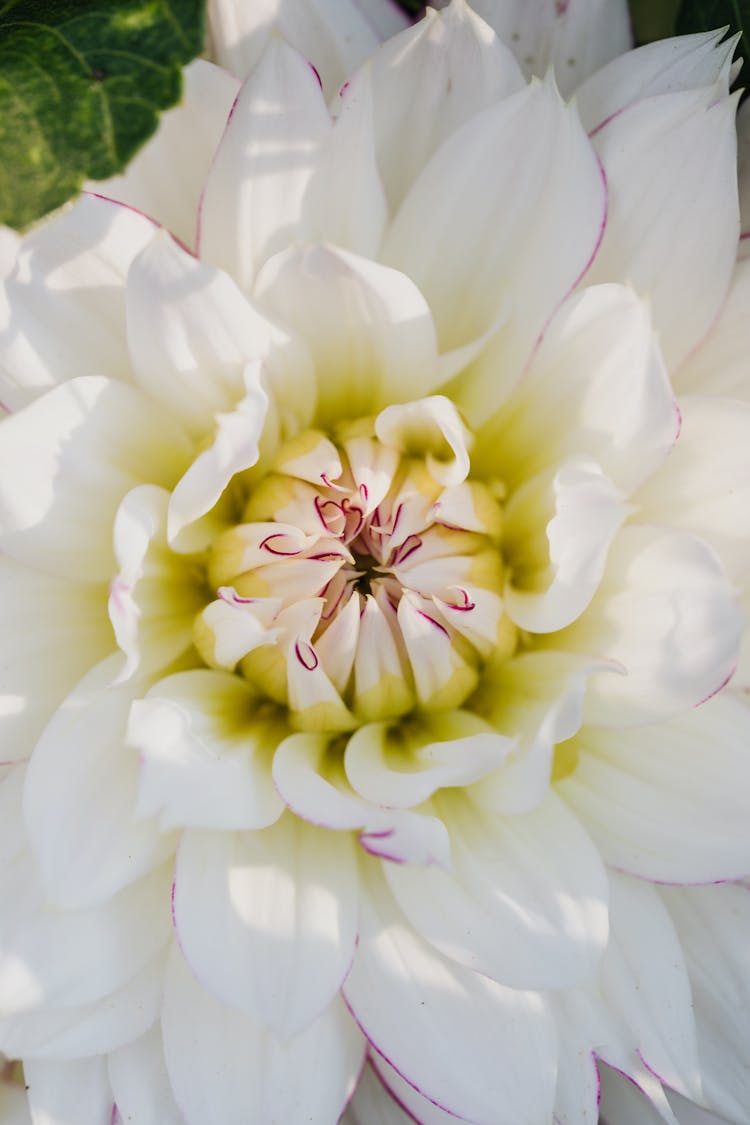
x=374 y=556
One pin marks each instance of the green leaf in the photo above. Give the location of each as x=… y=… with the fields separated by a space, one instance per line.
x=653 y=19
x=82 y=83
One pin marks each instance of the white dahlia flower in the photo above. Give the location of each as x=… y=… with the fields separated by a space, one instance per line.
x=374 y=523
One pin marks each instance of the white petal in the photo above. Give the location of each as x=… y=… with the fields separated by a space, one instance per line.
x=75 y=1092
x=335 y=35
x=346 y=203
x=368 y=328
x=550 y=585
x=442 y=677
x=51 y=632
x=476 y=614
x=67 y=460
x=743 y=170
x=313 y=698
x=590 y=1027
x=316 y=788
x=525 y=900
x=433 y=426
x=404 y=1095
x=252 y=203
x=429 y=81
x=402 y=836
x=686 y=62
x=644 y=982
x=62 y=313
x=669 y=803
x=371 y=1105
x=622 y=1101
x=205 y=747
x=156 y=595
x=576 y=38
x=741 y=677
x=227 y=1069
x=267 y=920
x=382 y=684
x=53 y=958
x=476 y=1049
x=165 y=179
x=339 y=645
x=191 y=332
x=545 y=203
x=232 y=626
x=719 y=365
x=389 y=768
x=536 y=698
x=649 y=152
x=80 y=797
x=74 y=1033
x=12 y=834
x=692 y=1114
x=577 y=1090
x=596 y=386
x=235 y=447
x=470 y=506
x=665 y=612
x=313 y=783
x=140 y=1083
x=713 y=924
x=704 y=486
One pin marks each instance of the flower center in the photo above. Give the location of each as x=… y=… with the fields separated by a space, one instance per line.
x=358 y=586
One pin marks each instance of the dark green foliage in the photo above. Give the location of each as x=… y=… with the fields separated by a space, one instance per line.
x=653 y=19
x=82 y=83
x=699 y=15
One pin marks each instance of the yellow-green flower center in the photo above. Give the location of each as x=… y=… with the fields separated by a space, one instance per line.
x=359 y=584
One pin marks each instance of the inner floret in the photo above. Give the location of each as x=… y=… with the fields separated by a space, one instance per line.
x=364 y=581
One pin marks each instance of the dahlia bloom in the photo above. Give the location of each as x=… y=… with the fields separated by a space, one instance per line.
x=373 y=511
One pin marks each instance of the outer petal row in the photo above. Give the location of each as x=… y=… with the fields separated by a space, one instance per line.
x=267 y=920
x=223 y=1067
x=669 y=803
x=336 y=35
x=648 y=151
x=546 y=226
x=67 y=460
x=166 y=177
x=80 y=796
x=476 y=1049
x=66 y=287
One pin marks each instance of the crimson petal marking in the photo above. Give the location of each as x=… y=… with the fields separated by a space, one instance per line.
x=418 y=1108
